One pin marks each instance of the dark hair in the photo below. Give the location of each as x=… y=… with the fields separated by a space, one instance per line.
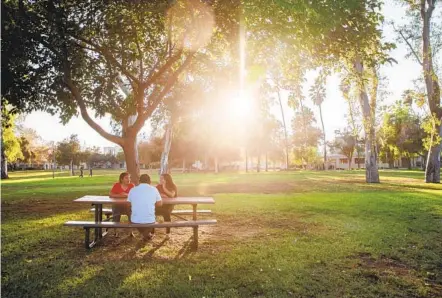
x=122 y=175
x=145 y=179
x=169 y=183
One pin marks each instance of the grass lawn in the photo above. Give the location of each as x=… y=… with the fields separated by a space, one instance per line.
x=294 y=234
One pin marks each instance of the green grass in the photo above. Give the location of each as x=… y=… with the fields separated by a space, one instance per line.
x=294 y=234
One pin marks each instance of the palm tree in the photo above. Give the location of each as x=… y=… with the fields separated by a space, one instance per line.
x=317 y=94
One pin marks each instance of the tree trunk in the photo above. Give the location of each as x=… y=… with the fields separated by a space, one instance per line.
x=131 y=155
x=432 y=174
x=267 y=163
x=354 y=131
x=184 y=165
x=349 y=161
x=164 y=167
x=72 y=168
x=285 y=132
x=371 y=167
x=4 y=165
x=390 y=163
x=216 y=165
x=206 y=163
x=323 y=139
x=247 y=162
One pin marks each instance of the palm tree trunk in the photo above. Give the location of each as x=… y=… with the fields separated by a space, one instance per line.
x=323 y=132
x=285 y=131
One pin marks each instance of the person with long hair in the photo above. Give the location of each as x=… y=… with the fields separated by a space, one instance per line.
x=120 y=190
x=167 y=190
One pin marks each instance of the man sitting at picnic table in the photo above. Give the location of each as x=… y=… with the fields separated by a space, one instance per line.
x=144 y=198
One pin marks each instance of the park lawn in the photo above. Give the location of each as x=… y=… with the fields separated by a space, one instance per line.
x=280 y=234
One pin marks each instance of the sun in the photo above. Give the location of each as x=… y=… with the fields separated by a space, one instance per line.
x=242 y=106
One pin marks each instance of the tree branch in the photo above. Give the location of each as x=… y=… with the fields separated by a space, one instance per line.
x=430 y=7
x=141 y=77
x=409 y=45
x=85 y=115
x=171 y=81
x=156 y=99
x=153 y=77
x=108 y=55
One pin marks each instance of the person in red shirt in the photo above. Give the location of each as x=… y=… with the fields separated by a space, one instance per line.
x=167 y=189
x=120 y=190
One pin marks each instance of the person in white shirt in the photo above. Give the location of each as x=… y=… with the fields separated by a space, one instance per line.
x=143 y=199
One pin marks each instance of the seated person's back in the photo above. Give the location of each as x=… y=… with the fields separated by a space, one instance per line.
x=143 y=199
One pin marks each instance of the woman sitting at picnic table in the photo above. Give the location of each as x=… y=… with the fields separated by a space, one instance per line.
x=120 y=190
x=167 y=190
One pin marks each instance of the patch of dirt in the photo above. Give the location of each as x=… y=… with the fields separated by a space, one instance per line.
x=41 y=208
x=229 y=231
x=266 y=188
x=376 y=269
x=383 y=264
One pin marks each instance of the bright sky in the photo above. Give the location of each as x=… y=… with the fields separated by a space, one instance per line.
x=400 y=77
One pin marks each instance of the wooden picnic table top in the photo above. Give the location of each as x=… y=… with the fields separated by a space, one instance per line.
x=175 y=201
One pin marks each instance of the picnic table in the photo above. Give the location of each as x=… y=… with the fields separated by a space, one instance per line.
x=98 y=201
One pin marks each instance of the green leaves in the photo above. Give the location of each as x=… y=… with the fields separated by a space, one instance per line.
x=317 y=90
x=68 y=151
x=10 y=143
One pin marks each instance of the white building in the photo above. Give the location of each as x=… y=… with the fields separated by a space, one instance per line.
x=112 y=150
x=341 y=162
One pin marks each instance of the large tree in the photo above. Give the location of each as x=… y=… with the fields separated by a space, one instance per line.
x=354 y=116
x=401 y=134
x=317 y=95
x=344 y=143
x=325 y=34
x=113 y=58
x=68 y=152
x=10 y=143
x=422 y=32
x=305 y=136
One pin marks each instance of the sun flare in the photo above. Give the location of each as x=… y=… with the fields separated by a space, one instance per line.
x=242 y=106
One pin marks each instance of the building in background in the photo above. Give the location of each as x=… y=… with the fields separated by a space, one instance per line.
x=112 y=150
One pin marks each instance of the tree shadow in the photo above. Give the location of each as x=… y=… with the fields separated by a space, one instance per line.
x=141 y=243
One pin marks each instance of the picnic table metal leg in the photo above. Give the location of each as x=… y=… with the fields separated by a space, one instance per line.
x=194 y=211
x=87 y=238
x=100 y=217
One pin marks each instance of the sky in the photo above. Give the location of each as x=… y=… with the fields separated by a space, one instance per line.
x=400 y=77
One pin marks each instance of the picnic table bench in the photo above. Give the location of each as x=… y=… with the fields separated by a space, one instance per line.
x=177 y=213
x=99 y=223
